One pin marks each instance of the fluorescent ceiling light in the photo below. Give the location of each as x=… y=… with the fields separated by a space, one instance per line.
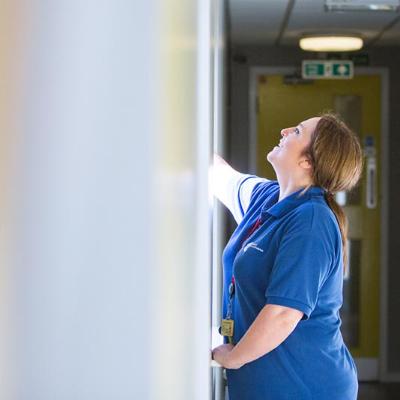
x=331 y=43
x=362 y=5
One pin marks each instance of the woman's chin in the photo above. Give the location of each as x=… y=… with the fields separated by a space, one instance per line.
x=271 y=154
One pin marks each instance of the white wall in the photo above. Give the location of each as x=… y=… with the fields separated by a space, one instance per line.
x=106 y=226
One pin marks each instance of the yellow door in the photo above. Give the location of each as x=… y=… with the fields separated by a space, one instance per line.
x=358 y=101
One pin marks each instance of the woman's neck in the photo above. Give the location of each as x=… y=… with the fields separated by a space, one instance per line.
x=288 y=186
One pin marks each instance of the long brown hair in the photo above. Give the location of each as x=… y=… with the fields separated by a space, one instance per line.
x=337 y=162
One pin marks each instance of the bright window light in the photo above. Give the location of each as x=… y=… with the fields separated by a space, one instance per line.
x=331 y=43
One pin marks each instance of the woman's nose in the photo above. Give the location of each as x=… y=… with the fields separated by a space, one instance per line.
x=284 y=132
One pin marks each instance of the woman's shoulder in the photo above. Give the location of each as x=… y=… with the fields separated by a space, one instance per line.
x=317 y=216
x=266 y=187
x=263 y=190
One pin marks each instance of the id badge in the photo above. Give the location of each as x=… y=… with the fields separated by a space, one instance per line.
x=227 y=327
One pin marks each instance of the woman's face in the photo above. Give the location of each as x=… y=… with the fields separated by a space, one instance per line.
x=289 y=153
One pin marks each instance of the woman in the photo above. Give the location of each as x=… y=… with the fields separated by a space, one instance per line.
x=283 y=268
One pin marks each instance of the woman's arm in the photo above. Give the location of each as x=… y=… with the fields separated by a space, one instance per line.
x=272 y=326
x=223 y=178
x=231 y=187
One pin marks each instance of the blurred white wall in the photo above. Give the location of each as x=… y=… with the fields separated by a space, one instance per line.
x=105 y=220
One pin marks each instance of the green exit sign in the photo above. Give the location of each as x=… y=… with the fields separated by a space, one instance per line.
x=329 y=69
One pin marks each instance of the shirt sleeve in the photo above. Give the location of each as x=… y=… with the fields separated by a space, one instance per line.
x=246 y=189
x=304 y=258
x=234 y=190
x=240 y=190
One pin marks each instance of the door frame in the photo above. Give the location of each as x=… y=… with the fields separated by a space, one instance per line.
x=367 y=366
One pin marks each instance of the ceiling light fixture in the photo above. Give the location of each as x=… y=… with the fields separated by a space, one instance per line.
x=330 y=43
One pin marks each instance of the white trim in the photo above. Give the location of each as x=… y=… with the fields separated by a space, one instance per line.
x=219 y=215
x=203 y=223
x=383 y=373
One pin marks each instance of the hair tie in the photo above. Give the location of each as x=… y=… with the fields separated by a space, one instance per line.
x=329 y=194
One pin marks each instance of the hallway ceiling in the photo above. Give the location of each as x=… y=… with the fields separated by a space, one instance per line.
x=283 y=22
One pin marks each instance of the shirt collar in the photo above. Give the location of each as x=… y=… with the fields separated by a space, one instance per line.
x=280 y=208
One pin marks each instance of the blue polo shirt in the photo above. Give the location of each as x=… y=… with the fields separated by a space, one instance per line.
x=295 y=260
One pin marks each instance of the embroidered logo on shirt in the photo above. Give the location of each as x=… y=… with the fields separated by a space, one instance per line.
x=253 y=246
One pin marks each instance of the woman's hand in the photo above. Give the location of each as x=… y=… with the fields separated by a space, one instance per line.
x=222 y=355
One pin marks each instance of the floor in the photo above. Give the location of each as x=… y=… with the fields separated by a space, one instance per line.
x=379 y=391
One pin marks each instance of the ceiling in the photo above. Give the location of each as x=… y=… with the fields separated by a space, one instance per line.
x=283 y=22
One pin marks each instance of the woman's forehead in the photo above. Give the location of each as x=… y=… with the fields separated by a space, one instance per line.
x=310 y=123
x=313 y=121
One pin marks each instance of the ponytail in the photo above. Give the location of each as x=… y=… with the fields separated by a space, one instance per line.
x=343 y=224
x=337 y=159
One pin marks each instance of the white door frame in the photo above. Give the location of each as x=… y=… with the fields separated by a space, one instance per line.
x=368 y=367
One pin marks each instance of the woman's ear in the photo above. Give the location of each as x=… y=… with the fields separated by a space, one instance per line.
x=305 y=163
